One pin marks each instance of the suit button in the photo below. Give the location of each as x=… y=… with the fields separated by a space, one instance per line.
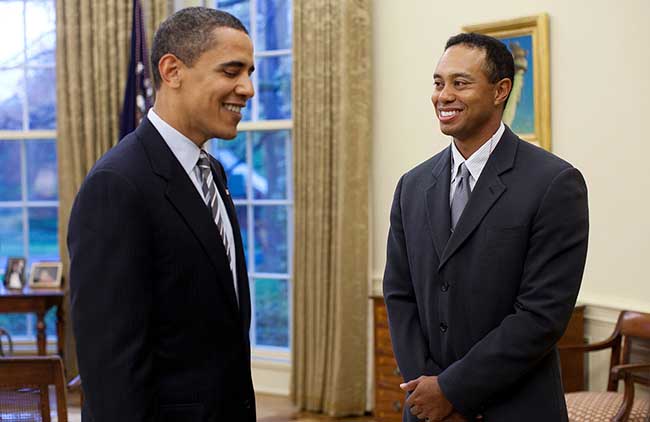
x=443 y=327
x=247 y=404
x=444 y=287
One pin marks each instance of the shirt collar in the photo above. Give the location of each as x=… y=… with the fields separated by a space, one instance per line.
x=476 y=162
x=185 y=151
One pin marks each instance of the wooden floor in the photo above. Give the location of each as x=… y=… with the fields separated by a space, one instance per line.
x=269 y=409
x=279 y=409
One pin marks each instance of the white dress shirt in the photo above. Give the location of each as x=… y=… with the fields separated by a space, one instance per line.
x=475 y=163
x=187 y=154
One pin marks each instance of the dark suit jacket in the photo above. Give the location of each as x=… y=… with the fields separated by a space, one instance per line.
x=160 y=335
x=483 y=308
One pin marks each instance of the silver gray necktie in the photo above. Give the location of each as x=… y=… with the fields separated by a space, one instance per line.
x=461 y=195
x=210 y=192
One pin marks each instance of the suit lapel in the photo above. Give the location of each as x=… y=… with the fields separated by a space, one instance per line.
x=487 y=191
x=182 y=194
x=436 y=199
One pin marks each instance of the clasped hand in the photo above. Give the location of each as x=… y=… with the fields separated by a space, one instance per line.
x=427 y=401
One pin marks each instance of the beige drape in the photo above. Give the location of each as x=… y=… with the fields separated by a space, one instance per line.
x=92 y=55
x=332 y=136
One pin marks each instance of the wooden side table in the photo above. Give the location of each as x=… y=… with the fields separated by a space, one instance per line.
x=39 y=302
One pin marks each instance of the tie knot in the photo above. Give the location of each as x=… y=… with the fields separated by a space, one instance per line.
x=204 y=161
x=203 y=165
x=463 y=171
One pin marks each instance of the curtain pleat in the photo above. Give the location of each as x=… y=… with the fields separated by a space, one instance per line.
x=332 y=138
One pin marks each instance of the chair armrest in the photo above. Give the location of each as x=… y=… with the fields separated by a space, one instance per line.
x=626 y=373
x=627 y=370
x=605 y=344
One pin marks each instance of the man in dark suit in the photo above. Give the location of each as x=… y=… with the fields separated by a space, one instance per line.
x=485 y=255
x=160 y=296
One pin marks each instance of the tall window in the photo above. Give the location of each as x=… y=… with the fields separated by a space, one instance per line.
x=28 y=170
x=258 y=164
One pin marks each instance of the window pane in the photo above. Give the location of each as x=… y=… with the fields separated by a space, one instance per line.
x=242 y=214
x=271 y=239
x=274 y=87
x=11 y=22
x=270 y=164
x=274 y=25
x=232 y=156
x=41 y=98
x=237 y=8
x=41 y=170
x=50 y=322
x=43 y=236
x=10 y=171
x=271 y=312
x=41 y=33
x=16 y=324
x=11 y=98
x=11 y=234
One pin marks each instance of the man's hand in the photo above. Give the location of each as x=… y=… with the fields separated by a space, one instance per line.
x=426 y=400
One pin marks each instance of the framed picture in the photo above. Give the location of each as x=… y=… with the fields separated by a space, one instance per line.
x=15 y=273
x=528 y=112
x=45 y=275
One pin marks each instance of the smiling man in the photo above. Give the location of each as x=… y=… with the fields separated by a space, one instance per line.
x=485 y=255
x=160 y=298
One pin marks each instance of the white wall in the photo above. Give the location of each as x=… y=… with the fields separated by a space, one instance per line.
x=600 y=93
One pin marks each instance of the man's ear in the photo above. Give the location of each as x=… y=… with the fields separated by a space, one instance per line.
x=503 y=88
x=170 y=67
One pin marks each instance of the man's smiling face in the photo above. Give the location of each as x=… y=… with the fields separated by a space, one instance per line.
x=216 y=87
x=463 y=96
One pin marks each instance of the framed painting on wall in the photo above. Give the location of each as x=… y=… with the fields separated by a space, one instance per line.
x=528 y=112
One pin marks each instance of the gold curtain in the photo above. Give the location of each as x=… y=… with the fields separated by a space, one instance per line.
x=332 y=137
x=92 y=56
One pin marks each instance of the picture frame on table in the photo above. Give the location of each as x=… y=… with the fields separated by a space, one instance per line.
x=528 y=112
x=45 y=275
x=14 y=278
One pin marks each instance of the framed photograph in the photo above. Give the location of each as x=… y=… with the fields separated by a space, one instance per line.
x=528 y=112
x=45 y=275
x=14 y=278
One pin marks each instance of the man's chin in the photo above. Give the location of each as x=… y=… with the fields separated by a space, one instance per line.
x=447 y=130
x=226 y=135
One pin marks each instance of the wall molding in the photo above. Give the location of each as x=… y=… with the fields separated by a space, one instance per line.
x=271 y=371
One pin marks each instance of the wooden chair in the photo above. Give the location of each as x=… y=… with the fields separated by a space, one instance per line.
x=10 y=345
x=25 y=388
x=632 y=327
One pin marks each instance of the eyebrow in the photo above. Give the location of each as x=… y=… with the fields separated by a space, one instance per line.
x=236 y=63
x=456 y=75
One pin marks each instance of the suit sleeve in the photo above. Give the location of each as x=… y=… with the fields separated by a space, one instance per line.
x=551 y=279
x=409 y=343
x=111 y=295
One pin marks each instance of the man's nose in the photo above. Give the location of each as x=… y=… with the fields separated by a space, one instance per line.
x=245 y=87
x=446 y=94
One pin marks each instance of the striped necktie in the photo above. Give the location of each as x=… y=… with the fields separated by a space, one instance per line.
x=210 y=192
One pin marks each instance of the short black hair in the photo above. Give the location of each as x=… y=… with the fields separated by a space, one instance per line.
x=187 y=34
x=499 y=63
